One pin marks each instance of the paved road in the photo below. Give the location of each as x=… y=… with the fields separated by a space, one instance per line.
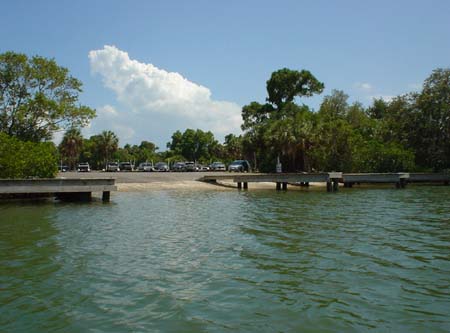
x=141 y=177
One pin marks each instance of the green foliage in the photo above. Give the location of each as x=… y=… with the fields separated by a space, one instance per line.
x=282 y=128
x=146 y=151
x=100 y=149
x=374 y=156
x=19 y=159
x=433 y=121
x=194 y=145
x=38 y=97
x=286 y=84
x=70 y=147
x=410 y=132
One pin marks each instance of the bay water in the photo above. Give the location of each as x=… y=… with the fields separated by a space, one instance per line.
x=374 y=259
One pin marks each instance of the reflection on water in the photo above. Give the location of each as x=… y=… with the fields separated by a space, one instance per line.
x=356 y=260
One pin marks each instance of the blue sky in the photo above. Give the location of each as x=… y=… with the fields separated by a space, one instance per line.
x=224 y=52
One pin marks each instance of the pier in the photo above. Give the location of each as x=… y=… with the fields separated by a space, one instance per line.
x=281 y=180
x=332 y=179
x=398 y=179
x=443 y=178
x=61 y=188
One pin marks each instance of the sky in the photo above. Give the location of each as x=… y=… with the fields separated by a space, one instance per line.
x=150 y=68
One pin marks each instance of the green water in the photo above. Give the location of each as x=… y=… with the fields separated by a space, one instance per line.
x=258 y=261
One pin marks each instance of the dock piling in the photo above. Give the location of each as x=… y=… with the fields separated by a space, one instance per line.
x=106 y=196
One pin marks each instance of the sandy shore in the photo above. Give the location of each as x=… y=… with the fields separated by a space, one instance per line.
x=154 y=181
x=189 y=185
x=179 y=185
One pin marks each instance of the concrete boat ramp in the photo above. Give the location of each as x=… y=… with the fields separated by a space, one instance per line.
x=61 y=188
x=332 y=179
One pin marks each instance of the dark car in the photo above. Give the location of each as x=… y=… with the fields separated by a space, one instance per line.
x=126 y=166
x=112 y=167
x=161 y=166
x=63 y=168
x=83 y=167
x=179 y=166
x=239 y=166
x=217 y=166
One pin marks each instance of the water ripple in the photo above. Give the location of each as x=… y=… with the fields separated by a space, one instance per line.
x=357 y=260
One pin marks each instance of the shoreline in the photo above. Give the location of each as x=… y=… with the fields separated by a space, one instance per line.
x=199 y=185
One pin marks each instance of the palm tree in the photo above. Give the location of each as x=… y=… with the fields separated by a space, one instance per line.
x=108 y=145
x=71 y=145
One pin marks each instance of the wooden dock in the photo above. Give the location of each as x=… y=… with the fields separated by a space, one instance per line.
x=61 y=188
x=332 y=179
x=280 y=179
x=443 y=178
x=398 y=179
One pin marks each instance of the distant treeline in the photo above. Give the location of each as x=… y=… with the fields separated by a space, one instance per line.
x=411 y=132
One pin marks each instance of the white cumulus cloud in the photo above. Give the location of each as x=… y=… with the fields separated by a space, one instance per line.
x=153 y=103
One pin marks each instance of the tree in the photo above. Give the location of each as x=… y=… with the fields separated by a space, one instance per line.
x=281 y=127
x=286 y=84
x=71 y=146
x=19 y=159
x=433 y=120
x=334 y=106
x=108 y=144
x=233 y=146
x=378 y=108
x=194 y=145
x=38 y=97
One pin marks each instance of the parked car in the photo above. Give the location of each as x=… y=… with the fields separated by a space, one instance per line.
x=217 y=166
x=83 y=167
x=126 y=166
x=63 y=168
x=179 y=166
x=191 y=166
x=239 y=166
x=112 y=167
x=161 y=166
x=145 y=166
x=203 y=168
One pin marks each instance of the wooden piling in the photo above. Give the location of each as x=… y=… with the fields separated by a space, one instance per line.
x=106 y=196
x=335 y=185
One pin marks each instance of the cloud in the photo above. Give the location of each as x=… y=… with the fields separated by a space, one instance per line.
x=154 y=102
x=364 y=86
x=107 y=111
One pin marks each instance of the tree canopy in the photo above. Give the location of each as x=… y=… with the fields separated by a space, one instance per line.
x=38 y=97
x=286 y=84
x=410 y=132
